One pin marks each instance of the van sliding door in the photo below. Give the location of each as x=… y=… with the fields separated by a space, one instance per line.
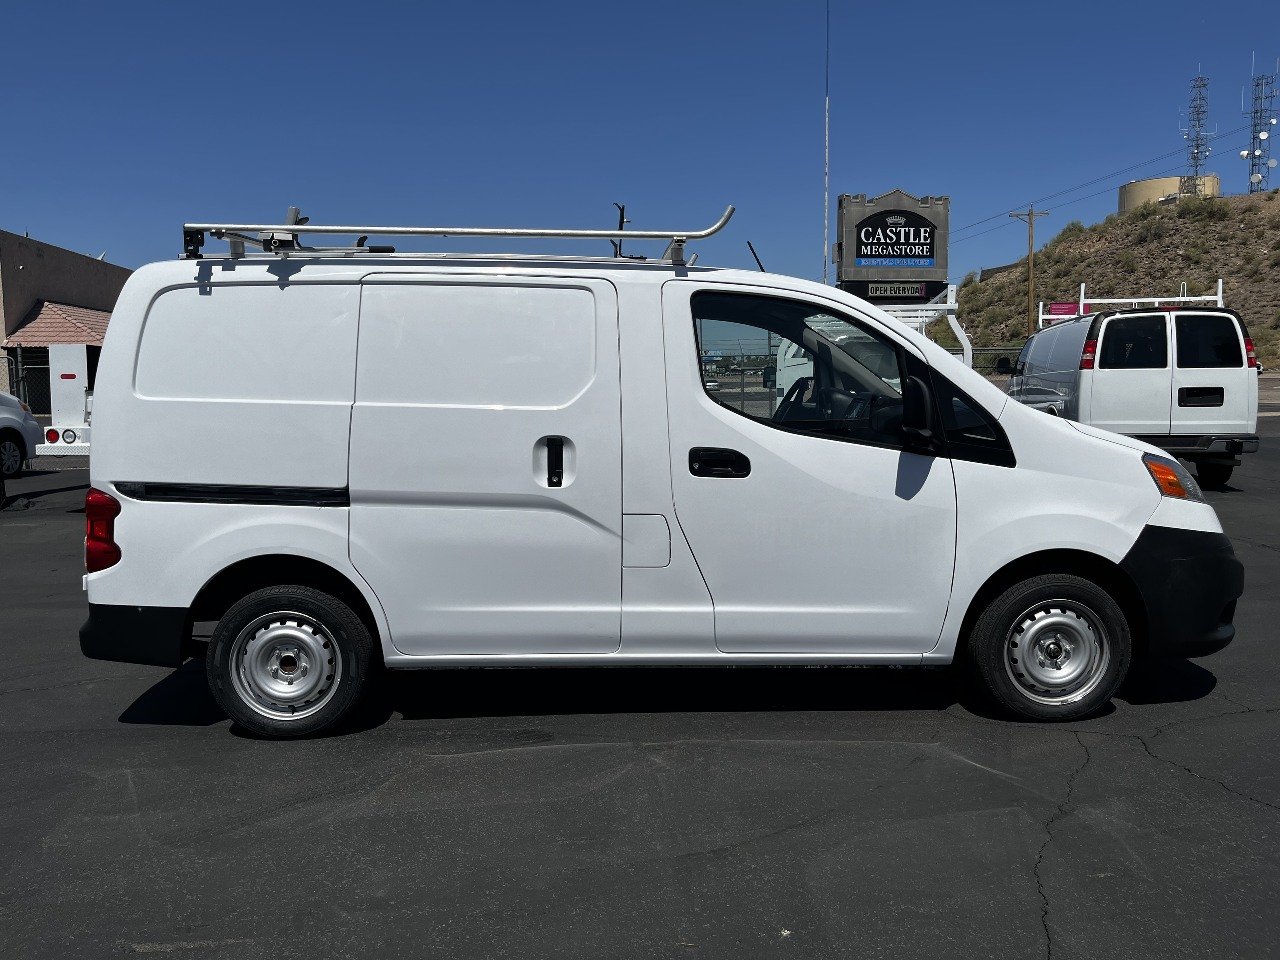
x=486 y=464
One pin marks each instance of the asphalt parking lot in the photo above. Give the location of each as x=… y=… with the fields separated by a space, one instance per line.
x=634 y=813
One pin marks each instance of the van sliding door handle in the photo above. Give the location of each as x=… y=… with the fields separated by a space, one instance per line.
x=555 y=461
x=718 y=462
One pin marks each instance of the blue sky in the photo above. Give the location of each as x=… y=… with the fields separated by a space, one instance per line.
x=123 y=120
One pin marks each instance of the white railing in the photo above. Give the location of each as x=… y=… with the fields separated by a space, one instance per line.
x=918 y=316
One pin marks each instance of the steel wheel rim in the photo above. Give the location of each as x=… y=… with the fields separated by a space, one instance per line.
x=1057 y=652
x=285 y=666
x=10 y=457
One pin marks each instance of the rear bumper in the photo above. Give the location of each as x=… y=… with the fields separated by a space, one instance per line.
x=156 y=636
x=1211 y=445
x=1189 y=581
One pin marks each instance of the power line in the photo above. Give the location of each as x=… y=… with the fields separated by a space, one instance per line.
x=1066 y=203
x=1089 y=183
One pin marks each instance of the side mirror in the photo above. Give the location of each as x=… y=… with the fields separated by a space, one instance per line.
x=1004 y=367
x=769 y=377
x=917 y=412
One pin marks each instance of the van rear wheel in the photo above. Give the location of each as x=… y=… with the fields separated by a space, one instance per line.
x=288 y=661
x=1053 y=647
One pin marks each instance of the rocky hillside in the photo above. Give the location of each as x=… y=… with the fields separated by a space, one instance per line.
x=1148 y=251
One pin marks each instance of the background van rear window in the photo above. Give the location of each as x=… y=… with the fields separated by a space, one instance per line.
x=1135 y=343
x=1207 y=340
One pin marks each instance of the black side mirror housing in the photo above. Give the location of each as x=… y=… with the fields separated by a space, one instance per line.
x=917 y=413
x=1004 y=367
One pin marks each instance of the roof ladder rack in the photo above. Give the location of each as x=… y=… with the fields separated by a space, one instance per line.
x=283 y=238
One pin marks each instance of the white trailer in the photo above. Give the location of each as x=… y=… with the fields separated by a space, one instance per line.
x=70 y=402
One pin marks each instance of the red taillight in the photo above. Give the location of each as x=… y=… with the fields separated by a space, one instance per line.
x=100 y=512
x=1250 y=358
x=1088 y=354
x=51 y=436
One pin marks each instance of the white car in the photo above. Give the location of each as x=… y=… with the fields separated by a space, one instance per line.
x=1184 y=379
x=278 y=450
x=20 y=434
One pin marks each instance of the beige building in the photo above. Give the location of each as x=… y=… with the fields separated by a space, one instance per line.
x=1137 y=192
x=49 y=295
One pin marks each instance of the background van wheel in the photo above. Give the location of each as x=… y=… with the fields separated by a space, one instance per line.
x=1053 y=647
x=11 y=456
x=288 y=661
x=1213 y=476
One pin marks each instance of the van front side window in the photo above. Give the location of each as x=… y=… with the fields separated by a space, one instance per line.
x=1135 y=343
x=823 y=374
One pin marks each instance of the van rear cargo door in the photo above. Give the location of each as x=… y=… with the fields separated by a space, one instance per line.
x=1130 y=379
x=1213 y=390
x=486 y=463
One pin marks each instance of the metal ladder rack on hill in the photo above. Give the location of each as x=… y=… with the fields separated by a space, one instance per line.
x=1087 y=305
x=283 y=238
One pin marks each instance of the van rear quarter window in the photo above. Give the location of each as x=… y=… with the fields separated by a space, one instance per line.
x=1207 y=340
x=251 y=342
x=467 y=346
x=1135 y=343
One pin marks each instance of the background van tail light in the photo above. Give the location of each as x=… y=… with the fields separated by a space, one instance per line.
x=1250 y=357
x=100 y=512
x=51 y=436
x=1088 y=354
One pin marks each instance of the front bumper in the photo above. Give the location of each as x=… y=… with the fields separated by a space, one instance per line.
x=156 y=636
x=1189 y=581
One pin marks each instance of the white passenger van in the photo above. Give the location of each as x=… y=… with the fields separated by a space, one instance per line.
x=1184 y=379
x=347 y=456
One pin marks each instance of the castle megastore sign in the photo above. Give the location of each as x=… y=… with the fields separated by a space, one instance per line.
x=895 y=238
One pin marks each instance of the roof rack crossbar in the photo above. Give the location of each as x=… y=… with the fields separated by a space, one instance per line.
x=231 y=229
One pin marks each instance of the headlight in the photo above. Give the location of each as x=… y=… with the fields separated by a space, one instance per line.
x=1172 y=478
x=25 y=408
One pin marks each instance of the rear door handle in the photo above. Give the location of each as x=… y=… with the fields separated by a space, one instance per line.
x=718 y=462
x=555 y=461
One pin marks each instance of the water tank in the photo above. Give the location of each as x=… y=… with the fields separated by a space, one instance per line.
x=1137 y=192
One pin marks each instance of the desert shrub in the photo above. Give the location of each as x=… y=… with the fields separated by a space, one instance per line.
x=1203 y=209
x=1073 y=229
x=1151 y=231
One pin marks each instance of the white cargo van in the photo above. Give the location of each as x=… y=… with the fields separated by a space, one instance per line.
x=280 y=449
x=1184 y=379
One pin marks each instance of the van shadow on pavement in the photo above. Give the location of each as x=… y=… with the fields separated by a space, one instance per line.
x=182 y=698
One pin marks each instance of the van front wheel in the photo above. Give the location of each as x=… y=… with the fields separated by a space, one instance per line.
x=288 y=661
x=1053 y=647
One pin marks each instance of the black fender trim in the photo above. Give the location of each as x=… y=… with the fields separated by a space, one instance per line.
x=1189 y=581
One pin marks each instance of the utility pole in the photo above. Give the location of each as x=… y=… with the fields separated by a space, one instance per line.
x=1029 y=217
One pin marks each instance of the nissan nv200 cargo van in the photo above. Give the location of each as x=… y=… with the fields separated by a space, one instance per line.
x=430 y=461
x=1184 y=379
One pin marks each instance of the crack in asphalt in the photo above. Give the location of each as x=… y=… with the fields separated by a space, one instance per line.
x=1058 y=813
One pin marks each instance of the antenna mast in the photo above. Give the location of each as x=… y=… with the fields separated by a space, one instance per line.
x=1198 y=148
x=1262 y=128
x=826 y=151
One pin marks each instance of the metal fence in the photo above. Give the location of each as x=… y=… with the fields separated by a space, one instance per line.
x=33 y=388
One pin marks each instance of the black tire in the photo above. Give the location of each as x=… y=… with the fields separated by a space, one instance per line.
x=292 y=639
x=1027 y=617
x=12 y=455
x=1214 y=476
